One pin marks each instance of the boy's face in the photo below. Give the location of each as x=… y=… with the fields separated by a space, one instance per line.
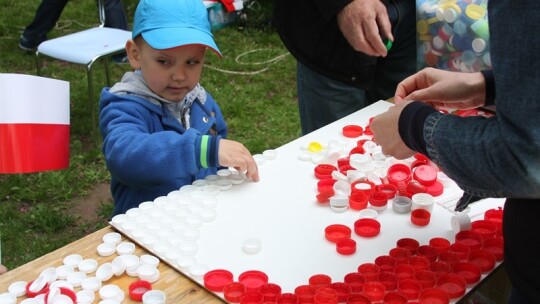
x=169 y=73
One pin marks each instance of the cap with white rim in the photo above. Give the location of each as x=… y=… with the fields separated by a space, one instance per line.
x=118 y=266
x=72 y=260
x=154 y=296
x=75 y=278
x=18 y=288
x=106 y=249
x=148 y=259
x=252 y=245
x=368 y=213
x=8 y=298
x=104 y=271
x=91 y=283
x=111 y=291
x=148 y=273
x=85 y=296
x=112 y=237
x=125 y=248
x=88 y=265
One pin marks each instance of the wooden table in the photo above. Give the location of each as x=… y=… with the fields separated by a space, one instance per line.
x=178 y=288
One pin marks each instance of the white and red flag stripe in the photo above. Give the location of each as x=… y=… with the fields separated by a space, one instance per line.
x=34 y=124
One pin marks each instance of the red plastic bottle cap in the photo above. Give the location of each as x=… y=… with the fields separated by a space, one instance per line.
x=426 y=278
x=404 y=271
x=409 y=244
x=326 y=295
x=374 y=291
x=410 y=287
x=363 y=186
x=461 y=249
x=32 y=294
x=414 y=187
x=343 y=290
x=270 y=292
x=428 y=252
x=452 y=284
x=389 y=279
x=433 y=296
x=435 y=189
x=305 y=293
x=467 y=270
x=138 y=288
x=419 y=262
x=233 y=292
x=420 y=217
x=320 y=280
x=400 y=255
x=487 y=229
x=358 y=201
x=469 y=238
x=251 y=297
x=395 y=297
x=325 y=184
x=253 y=279
x=496 y=247
x=440 y=267
x=346 y=246
x=324 y=196
x=367 y=227
x=389 y=189
x=425 y=174
x=449 y=257
x=358 y=299
x=337 y=232
x=369 y=270
x=440 y=244
x=216 y=280
x=355 y=280
x=378 y=199
x=496 y=216
x=352 y=131
x=323 y=171
x=483 y=259
x=399 y=173
x=287 y=298
x=385 y=263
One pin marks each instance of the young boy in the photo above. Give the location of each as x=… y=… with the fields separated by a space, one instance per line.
x=161 y=129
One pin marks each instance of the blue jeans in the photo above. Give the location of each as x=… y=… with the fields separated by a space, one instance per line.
x=322 y=100
x=49 y=11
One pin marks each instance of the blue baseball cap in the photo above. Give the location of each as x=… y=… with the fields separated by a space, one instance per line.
x=166 y=24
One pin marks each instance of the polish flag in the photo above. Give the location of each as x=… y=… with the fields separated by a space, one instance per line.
x=34 y=124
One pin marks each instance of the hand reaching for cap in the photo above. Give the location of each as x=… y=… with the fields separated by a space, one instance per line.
x=234 y=154
x=363 y=22
x=3 y=269
x=443 y=89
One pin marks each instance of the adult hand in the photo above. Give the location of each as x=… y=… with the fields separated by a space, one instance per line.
x=363 y=22
x=3 y=269
x=234 y=154
x=386 y=132
x=443 y=89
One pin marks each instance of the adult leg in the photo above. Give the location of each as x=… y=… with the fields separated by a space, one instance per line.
x=115 y=15
x=47 y=14
x=401 y=60
x=322 y=100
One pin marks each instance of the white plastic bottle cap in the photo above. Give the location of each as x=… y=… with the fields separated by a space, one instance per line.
x=339 y=201
x=460 y=222
x=88 y=265
x=91 y=283
x=422 y=201
x=118 y=266
x=106 y=249
x=18 y=289
x=61 y=283
x=212 y=178
x=252 y=245
x=237 y=178
x=147 y=206
x=85 y=296
x=8 y=298
x=188 y=248
x=342 y=188
x=270 y=154
x=197 y=271
x=26 y=301
x=50 y=274
x=72 y=260
x=185 y=262
x=38 y=284
x=154 y=296
x=208 y=215
x=63 y=270
x=110 y=291
x=125 y=248
x=259 y=159
x=109 y=301
x=199 y=183
x=112 y=237
x=224 y=173
x=368 y=213
x=224 y=184
x=119 y=219
x=148 y=273
x=130 y=261
x=104 y=271
x=75 y=278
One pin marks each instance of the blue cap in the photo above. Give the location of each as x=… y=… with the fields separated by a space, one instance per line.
x=166 y=24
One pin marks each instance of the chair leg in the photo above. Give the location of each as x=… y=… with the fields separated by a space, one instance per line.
x=38 y=64
x=91 y=100
x=107 y=70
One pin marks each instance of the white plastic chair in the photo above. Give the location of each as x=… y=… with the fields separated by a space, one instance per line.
x=86 y=47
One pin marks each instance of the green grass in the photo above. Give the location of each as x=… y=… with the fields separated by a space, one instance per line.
x=254 y=84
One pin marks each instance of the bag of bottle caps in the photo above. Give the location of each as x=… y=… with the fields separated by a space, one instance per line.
x=452 y=35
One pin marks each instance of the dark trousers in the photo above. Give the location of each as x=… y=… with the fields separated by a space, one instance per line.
x=49 y=11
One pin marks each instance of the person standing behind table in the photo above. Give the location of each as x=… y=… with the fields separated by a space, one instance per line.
x=486 y=157
x=342 y=62
x=48 y=13
x=161 y=129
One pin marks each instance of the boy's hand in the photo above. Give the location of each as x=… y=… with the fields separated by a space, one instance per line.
x=234 y=154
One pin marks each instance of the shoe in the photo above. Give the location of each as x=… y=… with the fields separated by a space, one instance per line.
x=27 y=45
